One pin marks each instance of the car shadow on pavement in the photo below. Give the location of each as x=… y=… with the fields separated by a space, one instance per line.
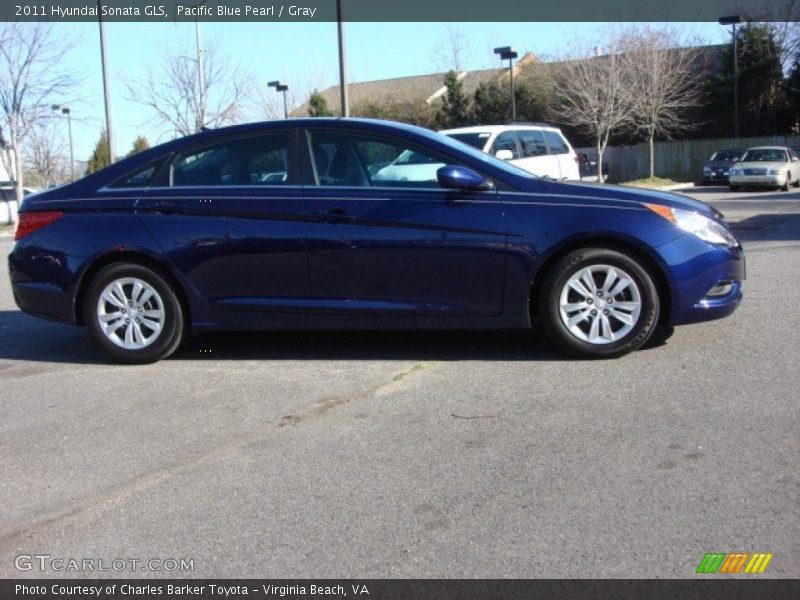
x=768 y=228
x=30 y=339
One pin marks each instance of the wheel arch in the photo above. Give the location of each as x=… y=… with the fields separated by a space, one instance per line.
x=621 y=244
x=128 y=256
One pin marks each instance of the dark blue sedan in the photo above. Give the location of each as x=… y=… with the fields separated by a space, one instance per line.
x=346 y=223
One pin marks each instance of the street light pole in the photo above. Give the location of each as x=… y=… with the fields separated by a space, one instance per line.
x=508 y=53
x=106 y=88
x=281 y=87
x=66 y=111
x=345 y=100
x=734 y=20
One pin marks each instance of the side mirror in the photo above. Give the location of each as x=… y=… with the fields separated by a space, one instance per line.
x=795 y=159
x=504 y=154
x=458 y=177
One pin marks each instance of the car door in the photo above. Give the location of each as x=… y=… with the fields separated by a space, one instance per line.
x=384 y=238
x=535 y=157
x=229 y=215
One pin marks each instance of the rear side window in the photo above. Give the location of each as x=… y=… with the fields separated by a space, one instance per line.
x=556 y=143
x=252 y=161
x=142 y=177
x=506 y=141
x=532 y=143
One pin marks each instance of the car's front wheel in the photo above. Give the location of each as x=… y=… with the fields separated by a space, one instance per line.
x=785 y=186
x=133 y=314
x=599 y=303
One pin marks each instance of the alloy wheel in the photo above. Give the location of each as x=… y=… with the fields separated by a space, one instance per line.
x=600 y=304
x=130 y=313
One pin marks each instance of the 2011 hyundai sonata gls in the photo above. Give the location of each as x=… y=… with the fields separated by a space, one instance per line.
x=326 y=223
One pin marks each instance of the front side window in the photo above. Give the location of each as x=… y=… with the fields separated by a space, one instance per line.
x=252 y=161
x=506 y=141
x=555 y=142
x=532 y=143
x=361 y=160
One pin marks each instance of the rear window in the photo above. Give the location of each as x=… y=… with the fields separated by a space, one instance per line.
x=476 y=140
x=555 y=142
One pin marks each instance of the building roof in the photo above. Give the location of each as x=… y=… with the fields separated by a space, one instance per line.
x=414 y=89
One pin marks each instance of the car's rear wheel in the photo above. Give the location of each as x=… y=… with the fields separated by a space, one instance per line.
x=599 y=303
x=133 y=314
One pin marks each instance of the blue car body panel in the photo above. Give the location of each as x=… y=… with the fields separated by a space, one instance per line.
x=303 y=255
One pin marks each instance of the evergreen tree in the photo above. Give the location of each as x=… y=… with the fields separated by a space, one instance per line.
x=139 y=144
x=762 y=90
x=318 y=106
x=454 y=111
x=101 y=157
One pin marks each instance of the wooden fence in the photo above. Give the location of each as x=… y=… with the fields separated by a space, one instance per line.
x=681 y=161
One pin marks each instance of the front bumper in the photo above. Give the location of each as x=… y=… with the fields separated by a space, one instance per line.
x=756 y=180
x=697 y=268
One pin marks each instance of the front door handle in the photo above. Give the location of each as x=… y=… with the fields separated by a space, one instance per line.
x=333 y=215
x=168 y=207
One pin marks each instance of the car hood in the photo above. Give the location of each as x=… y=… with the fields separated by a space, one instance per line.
x=606 y=192
x=761 y=164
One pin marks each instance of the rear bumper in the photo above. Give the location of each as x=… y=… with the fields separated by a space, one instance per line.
x=43 y=283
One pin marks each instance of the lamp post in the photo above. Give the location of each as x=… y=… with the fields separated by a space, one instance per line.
x=201 y=71
x=734 y=20
x=508 y=53
x=281 y=87
x=64 y=110
x=106 y=88
x=343 y=94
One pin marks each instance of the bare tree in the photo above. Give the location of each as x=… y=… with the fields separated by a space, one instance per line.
x=31 y=77
x=45 y=155
x=171 y=91
x=592 y=94
x=663 y=79
x=450 y=53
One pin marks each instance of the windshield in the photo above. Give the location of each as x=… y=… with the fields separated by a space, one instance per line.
x=729 y=155
x=476 y=139
x=765 y=155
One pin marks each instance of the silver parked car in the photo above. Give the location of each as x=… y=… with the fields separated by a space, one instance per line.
x=766 y=166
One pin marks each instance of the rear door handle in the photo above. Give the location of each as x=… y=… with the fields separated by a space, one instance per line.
x=333 y=215
x=168 y=207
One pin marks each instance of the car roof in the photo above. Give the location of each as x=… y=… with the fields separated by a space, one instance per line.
x=768 y=148
x=497 y=128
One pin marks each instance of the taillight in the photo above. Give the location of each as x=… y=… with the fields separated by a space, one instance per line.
x=32 y=221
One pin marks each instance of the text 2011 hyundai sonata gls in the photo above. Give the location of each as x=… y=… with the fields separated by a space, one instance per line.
x=345 y=223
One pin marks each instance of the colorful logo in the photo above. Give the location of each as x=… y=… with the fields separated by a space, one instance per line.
x=720 y=562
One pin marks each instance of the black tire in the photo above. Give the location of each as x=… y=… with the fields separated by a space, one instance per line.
x=796 y=183
x=171 y=332
x=735 y=188
x=785 y=186
x=556 y=279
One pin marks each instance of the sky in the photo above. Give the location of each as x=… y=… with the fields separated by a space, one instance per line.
x=302 y=54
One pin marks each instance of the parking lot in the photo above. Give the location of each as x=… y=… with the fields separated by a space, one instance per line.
x=416 y=454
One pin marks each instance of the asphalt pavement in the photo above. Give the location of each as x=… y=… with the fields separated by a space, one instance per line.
x=415 y=454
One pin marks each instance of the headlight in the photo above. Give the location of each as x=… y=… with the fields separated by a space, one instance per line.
x=724 y=171
x=706 y=229
x=706 y=170
x=774 y=171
